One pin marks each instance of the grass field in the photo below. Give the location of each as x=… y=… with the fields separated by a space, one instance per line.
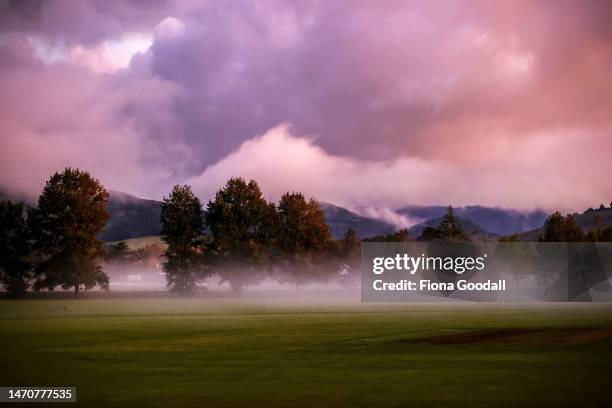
x=222 y=353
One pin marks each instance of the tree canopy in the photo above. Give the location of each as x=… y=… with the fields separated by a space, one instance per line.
x=242 y=225
x=302 y=235
x=182 y=222
x=558 y=228
x=15 y=248
x=71 y=213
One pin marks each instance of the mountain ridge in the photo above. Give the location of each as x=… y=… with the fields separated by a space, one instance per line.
x=493 y=220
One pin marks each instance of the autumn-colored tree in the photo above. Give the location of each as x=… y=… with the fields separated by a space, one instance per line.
x=302 y=236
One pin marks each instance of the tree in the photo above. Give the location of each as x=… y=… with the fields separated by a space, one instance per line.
x=431 y=234
x=554 y=228
x=594 y=234
x=118 y=253
x=351 y=248
x=573 y=232
x=243 y=226
x=182 y=222
x=561 y=229
x=511 y=238
x=402 y=235
x=350 y=256
x=450 y=227
x=71 y=213
x=15 y=249
x=606 y=234
x=303 y=234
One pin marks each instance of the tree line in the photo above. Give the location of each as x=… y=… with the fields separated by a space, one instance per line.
x=239 y=236
x=559 y=228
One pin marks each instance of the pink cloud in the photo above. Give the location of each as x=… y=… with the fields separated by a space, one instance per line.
x=552 y=171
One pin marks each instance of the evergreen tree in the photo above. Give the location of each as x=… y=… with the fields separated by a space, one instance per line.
x=450 y=227
x=71 y=213
x=182 y=222
x=243 y=226
x=15 y=249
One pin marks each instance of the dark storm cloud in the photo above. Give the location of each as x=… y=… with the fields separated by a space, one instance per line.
x=375 y=80
x=83 y=21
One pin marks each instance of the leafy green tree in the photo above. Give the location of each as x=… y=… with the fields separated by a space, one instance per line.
x=71 y=213
x=182 y=222
x=243 y=226
x=15 y=267
x=450 y=227
x=303 y=235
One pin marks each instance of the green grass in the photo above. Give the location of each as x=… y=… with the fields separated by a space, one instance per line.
x=219 y=353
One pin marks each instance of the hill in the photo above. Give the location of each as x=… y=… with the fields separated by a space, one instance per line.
x=587 y=220
x=134 y=217
x=492 y=220
x=340 y=219
x=131 y=217
x=469 y=226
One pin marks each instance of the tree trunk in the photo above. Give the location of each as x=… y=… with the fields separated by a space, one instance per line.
x=77 y=271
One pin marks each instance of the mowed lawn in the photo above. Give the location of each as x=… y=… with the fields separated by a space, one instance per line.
x=223 y=353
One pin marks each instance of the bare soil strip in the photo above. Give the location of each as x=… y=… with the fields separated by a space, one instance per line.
x=559 y=336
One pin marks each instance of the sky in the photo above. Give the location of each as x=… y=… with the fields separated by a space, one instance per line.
x=366 y=104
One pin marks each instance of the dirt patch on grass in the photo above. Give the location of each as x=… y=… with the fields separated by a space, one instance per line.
x=559 y=336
